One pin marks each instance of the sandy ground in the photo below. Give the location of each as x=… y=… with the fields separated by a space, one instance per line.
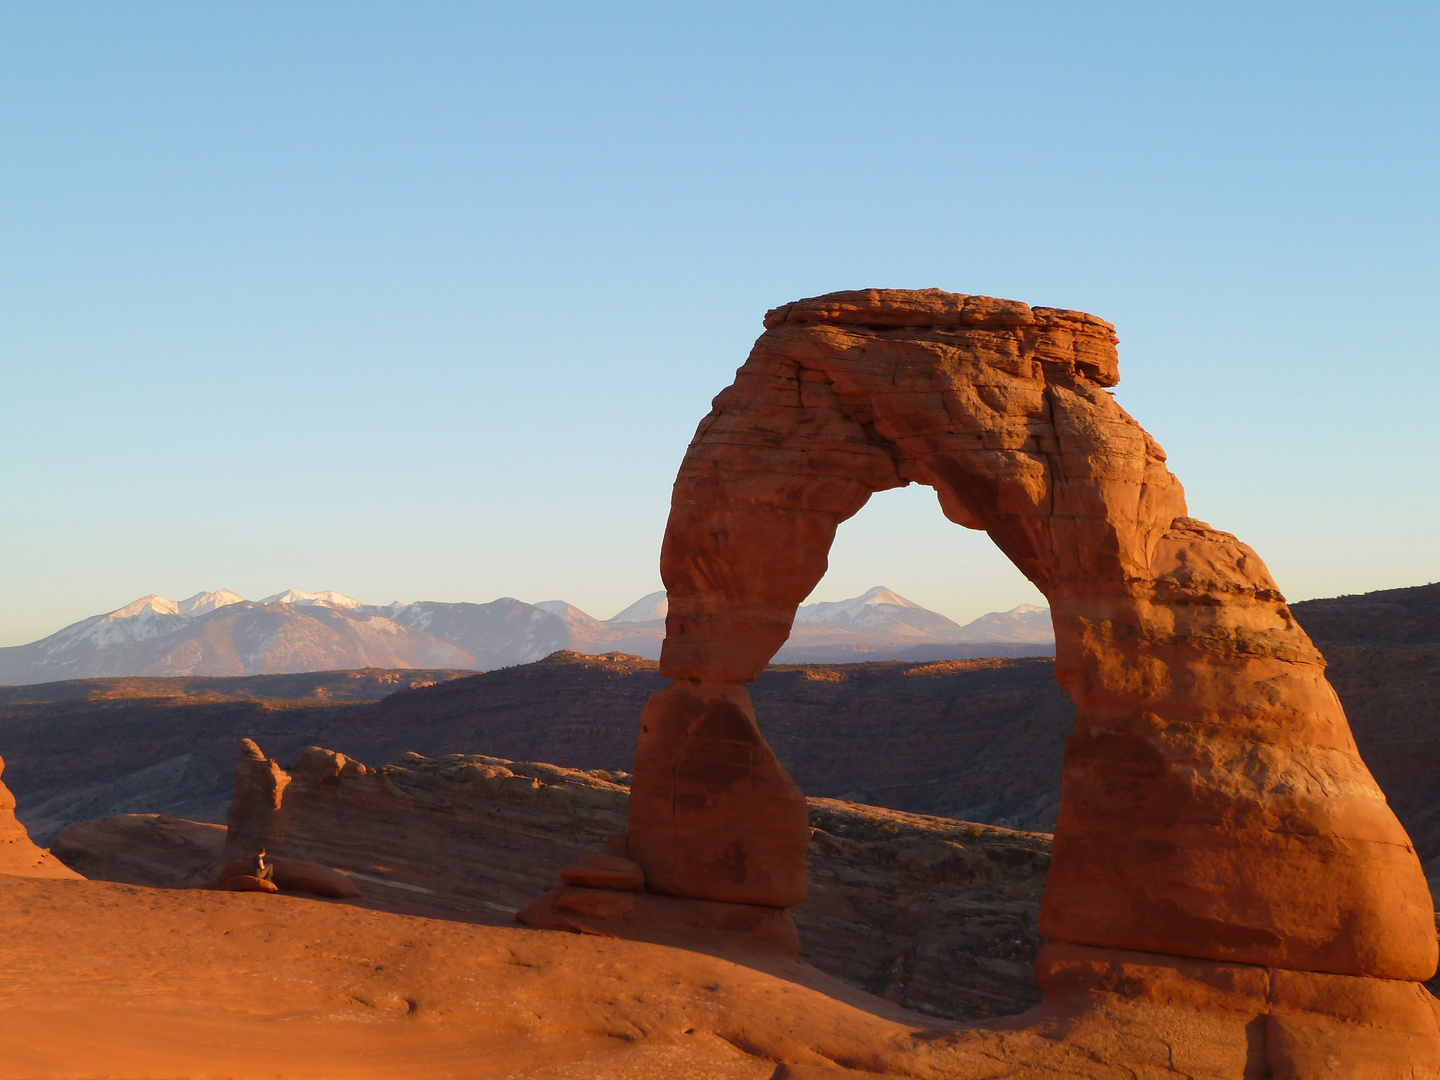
x=106 y=980
x=101 y=980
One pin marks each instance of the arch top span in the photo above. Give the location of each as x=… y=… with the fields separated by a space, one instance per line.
x=1068 y=338
x=1000 y=407
x=1213 y=802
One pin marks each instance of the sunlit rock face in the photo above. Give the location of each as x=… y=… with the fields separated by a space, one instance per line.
x=1214 y=805
x=19 y=856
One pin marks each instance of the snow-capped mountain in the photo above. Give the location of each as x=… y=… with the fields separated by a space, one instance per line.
x=222 y=633
x=1024 y=623
x=883 y=625
x=879 y=611
x=329 y=598
x=647 y=609
x=204 y=602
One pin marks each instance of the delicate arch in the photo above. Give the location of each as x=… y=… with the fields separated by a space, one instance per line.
x=1213 y=805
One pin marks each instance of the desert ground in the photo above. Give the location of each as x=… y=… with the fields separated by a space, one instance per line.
x=107 y=980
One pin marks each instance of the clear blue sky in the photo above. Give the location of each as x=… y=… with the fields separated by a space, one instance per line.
x=424 y=301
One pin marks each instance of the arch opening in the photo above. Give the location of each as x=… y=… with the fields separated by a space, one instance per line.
x=902 y=541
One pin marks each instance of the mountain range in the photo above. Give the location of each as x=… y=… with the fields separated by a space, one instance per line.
x=221 y=633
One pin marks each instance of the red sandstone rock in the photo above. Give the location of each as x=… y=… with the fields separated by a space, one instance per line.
x=294 y=875
x=712 y=813
x=19 y=856
x=235 y=868
x=930 y=912
x=604 y=872
x=253 y=821
x=301 y=875
x=1214 y=804
x=667 y=920
x=143 y=849
x=458 y=836
x=246 y=883
x=1309 y=1024
x=618 y=846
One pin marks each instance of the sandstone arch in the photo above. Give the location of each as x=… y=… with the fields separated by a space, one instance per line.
x=1214 y=804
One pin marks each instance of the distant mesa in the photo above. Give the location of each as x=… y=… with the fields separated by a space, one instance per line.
x=221 y=634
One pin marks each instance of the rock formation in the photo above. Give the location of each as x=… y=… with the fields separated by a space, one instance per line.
x=287 y=875
x=253 y=821
x=461 y=835
x=935 y=914
x=18 y=855
x=157 y=850
x=1214 y=806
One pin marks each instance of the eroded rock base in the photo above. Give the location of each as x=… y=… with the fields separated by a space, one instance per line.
x=1211 y=1019
x=701 y=925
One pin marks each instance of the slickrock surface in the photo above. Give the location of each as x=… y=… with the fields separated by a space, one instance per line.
x=935 y=914
x=111 y=980
x=461 y=835
x=142 y=849
x=479 y=838
x=18 y=854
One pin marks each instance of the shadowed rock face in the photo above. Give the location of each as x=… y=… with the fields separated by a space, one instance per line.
x=1214 y=805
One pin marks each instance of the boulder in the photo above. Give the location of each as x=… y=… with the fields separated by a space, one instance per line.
x=301 y=875
x=725 y=928
x=246 y=883
x=294 y=875
x=142 y=849
x=604 y=872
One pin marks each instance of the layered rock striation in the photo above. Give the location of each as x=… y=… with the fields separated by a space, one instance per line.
x=934 y=914
x=460 y=835
x=156 y=850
